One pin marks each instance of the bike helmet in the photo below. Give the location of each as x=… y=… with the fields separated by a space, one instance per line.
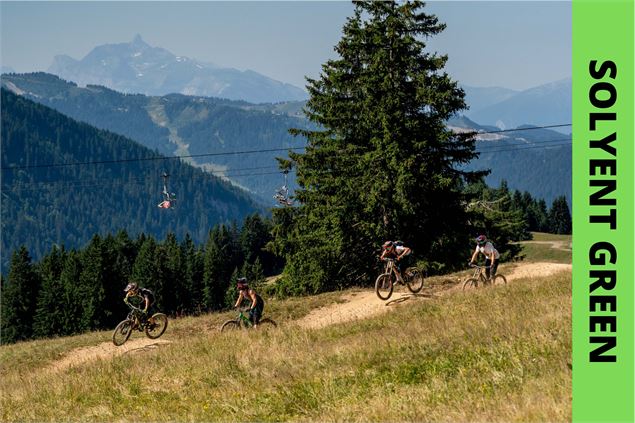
x=241 y=283
x=481 y=239
x=132 y=286
x=387 y=245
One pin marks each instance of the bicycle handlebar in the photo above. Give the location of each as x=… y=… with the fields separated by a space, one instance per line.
x=133 y=307
x=472 y=265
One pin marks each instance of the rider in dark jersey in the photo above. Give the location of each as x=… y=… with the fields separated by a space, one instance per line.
x=257 y=303
x=144 y=296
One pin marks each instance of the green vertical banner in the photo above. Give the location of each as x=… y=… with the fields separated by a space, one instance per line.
x=603 y=220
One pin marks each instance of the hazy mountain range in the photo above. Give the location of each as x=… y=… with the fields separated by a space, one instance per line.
x=530 y=159
x=548 y=104
x=175 y=124
x=137 y=67
x=209 y=127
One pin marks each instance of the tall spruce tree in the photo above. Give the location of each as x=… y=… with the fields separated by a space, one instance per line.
x=49 y=313
x=560 y=217
x=382 y=164
x=19 y=298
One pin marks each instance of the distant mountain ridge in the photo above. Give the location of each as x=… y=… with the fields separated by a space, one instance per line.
x=139 y=68
x=478 y=98
x=547 y=104
x=534 y=160
x=45 y=204
x=210 y=125
x=181 y=125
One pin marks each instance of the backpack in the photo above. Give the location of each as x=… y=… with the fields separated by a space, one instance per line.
x=145 y=292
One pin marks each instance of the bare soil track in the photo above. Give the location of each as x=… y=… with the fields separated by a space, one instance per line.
x=358 y=305
x=365 y=304
x=105 y=350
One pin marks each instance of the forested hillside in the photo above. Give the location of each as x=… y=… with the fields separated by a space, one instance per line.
x=64 y=181
x=180 y=125
x=529 y=158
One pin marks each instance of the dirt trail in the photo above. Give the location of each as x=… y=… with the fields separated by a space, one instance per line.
x=358 y=305
x=556 y=245
x=365 y=304
x=105 y=350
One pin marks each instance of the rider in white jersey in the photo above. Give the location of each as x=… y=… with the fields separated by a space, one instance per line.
x=492 y=255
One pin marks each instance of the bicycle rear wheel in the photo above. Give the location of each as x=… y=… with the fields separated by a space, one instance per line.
x=469 y=284
x=384 y=286
x=122 y=332
x=414 y=279
x=156 y=329
x=267 y=324
x=500 y=280
x=230 y=325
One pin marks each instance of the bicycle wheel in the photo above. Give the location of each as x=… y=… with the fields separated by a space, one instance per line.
x=156 y=329
x=267 y=324
x=500 y=280
x=414 y=279
x=229 y=326
x=122 y=332
x=471 y=283
x=384 y=286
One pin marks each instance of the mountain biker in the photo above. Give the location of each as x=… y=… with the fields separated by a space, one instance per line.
x=395 y=250
x=257 y=303
x=144 y=295
x=486 y=248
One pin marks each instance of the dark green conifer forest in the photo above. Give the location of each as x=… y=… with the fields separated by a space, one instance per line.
x=65 y=181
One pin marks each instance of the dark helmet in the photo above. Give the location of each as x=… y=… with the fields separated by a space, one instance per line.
x=241 y=283
x=132 y=286
x=387 y=245
x=481 y=239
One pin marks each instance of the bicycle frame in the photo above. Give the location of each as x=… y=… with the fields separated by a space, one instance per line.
x=390 y=269
x=242 y=319
x=479 y=273
x=136 y=315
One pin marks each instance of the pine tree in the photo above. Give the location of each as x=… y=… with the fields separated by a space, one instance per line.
x=560 y=217
x=192 y=276
x=74 y=297
x=383 y=165
x=174 y=298
x=219 y=263
x=19 y=298
x=49 y=313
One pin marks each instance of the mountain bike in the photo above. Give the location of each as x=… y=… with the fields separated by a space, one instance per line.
x=242 y=322
x=478 y=277
x=137 y=319
x=385 y=283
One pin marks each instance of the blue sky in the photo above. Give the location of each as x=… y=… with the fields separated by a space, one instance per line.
x=511 y=44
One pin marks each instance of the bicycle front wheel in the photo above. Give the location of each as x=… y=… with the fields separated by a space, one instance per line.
x=469 y=284
x=122 y=332
x=230 y=325
x=384 y=286
x=159 y=325
x=414 y=279
x=500 y=280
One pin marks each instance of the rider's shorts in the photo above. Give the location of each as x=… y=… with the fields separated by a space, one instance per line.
x=255 y=314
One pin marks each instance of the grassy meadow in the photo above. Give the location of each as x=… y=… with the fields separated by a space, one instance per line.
x=548 y=247
x=499 y=354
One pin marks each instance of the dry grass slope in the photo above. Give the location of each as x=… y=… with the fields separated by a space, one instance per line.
x=499 y=354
